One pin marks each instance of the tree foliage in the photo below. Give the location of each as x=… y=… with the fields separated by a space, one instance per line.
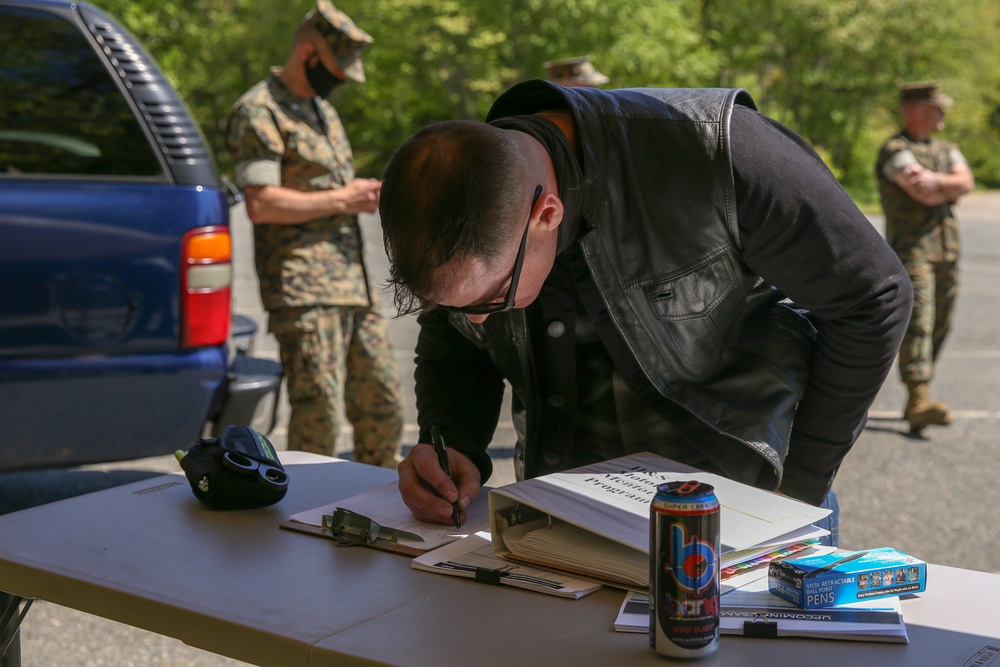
x=824 y=68
x=828 y=69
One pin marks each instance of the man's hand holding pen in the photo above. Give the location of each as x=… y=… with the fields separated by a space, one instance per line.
x=442 y=453
x=429 y=492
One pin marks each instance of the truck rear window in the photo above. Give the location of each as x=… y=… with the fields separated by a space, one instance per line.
x=62 y=112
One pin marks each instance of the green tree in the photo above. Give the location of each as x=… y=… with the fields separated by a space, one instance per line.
x=825 y=68
x=828 y=69
x=211 y=50
x=440 y=59
x=974 y=122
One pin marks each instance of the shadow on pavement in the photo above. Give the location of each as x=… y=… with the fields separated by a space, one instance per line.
x=897 y=426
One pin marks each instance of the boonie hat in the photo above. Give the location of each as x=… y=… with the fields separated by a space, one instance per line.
x=343 y=37
x=926 y=91
x=574 y=72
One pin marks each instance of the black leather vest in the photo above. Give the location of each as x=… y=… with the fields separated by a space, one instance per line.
x=661 y=242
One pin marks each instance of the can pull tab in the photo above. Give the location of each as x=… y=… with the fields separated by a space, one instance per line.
x=688 y=488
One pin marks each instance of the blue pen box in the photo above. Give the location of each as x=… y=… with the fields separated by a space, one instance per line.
x=846 y=576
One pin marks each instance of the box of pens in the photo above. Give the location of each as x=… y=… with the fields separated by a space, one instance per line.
x=841 y=577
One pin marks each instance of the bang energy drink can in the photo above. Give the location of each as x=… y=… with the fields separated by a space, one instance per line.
x=684 y=570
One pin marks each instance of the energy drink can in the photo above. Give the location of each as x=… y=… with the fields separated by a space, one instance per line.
x=684 y=570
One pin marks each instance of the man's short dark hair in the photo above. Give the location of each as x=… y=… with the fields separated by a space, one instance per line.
x=453 y=190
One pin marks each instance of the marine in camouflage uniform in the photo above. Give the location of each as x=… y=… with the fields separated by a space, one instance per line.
x=924 y=235
x=322 y=308
x=570 y=72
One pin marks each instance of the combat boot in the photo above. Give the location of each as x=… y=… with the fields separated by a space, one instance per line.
x=921 y=411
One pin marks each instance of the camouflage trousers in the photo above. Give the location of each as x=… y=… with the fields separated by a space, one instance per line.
x=339 y=361
x=935 y=286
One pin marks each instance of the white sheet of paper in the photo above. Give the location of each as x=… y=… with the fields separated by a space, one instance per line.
x=462 y=558
x=830 y=623
x=749 y=516
x=385 y=506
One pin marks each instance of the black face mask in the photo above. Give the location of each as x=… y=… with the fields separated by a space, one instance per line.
x=321 y=79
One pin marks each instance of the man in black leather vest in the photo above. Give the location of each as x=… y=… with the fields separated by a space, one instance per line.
x=663 y=270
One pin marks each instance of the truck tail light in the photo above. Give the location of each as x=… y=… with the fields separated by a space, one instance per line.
x=206 y=286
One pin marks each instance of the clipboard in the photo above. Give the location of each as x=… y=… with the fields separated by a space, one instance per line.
x=385 y=506
x=308 y=529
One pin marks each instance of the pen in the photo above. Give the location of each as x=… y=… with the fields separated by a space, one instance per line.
x=442 y=455
x=830 y=566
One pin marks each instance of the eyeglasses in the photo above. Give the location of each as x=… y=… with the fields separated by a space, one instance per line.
x=508 y=301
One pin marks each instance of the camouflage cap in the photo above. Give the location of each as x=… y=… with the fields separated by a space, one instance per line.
x=926 y=91
x=343 y=37
x=574 y=72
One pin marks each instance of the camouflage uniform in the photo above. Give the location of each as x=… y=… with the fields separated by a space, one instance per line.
x=322 y=307
x=574 y=72
x=926 y=240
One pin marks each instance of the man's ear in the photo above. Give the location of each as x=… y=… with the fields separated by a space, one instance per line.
x=550 y=210
x=306 y=50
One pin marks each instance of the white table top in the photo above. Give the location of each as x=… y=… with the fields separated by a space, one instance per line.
x=149 y=555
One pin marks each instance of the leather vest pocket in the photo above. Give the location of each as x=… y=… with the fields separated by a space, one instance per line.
x=692 y=294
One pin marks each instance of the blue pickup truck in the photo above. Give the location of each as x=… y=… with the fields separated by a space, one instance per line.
x=115 y=252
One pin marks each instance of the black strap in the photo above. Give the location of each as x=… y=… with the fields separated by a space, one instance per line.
x=484 y=575
x=760 y=629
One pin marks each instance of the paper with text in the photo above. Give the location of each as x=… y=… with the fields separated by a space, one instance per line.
x=385 y=506
x=749 y=517
x=464 y=557
x=610 y=501
x=873 y=620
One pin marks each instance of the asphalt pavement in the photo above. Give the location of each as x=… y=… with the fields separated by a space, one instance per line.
x=932 y=496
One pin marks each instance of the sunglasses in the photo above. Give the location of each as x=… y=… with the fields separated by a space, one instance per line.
x=508 y=301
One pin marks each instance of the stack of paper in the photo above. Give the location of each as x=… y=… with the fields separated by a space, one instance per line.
x=473 y=557
x=744 y=572
x=594 y=521
x=384 y=505
x=752 y=610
